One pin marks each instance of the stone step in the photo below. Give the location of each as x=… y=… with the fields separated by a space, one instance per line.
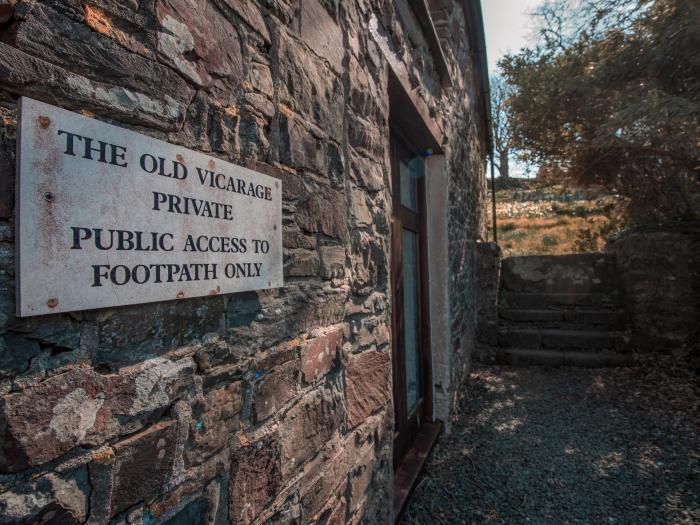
x=555 y=338
x=573 y=273
x=527 y=356
x=536 y=300
x=551 y=317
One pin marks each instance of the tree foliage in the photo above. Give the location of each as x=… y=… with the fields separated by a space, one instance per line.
x=611 y=95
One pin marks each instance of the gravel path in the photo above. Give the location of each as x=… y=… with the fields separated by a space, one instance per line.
x=556 y=446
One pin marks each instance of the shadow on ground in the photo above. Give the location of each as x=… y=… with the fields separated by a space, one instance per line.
x=540 y=446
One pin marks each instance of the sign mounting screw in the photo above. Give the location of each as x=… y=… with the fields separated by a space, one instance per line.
x=49 y=197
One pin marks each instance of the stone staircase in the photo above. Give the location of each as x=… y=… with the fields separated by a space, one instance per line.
x=561 y=311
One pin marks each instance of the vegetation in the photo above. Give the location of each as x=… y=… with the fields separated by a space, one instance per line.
x=536 y=218
x=611 y=96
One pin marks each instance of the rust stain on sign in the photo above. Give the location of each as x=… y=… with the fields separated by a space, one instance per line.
x=48 y=162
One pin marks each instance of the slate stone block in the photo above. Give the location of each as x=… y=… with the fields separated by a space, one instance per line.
x=50 y=499
x=324 y=212
x=275 y=389
x=309 y=426
x=82 y=407
x=255 y=478
x=143 y=464
x=321 y=33
x=368 y=387
x=318 y=354
x=309 y=87
x=214 y=422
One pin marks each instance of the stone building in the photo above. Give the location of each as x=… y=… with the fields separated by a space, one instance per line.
x=295 y=404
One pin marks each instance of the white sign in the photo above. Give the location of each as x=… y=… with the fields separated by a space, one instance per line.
x=109 y=217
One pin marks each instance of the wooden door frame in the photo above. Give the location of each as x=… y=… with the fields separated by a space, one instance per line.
x=407 y=425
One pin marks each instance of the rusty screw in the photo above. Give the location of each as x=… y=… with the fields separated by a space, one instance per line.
x=49 y=197
x=44 y=122
x=52 y=303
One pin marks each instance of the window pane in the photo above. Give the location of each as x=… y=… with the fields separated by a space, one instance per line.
x=410 y=171
x=410 y=315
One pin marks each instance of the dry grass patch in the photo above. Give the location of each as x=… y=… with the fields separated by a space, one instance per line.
x=553 y=221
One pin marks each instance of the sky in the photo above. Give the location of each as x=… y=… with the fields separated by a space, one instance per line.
x=508 y=28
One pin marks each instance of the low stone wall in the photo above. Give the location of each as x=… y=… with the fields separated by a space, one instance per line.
x=654 y=276
x=660 y=278
x=564 y=274
x=487 y=282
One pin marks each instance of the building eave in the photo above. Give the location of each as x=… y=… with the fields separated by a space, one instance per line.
x=475 y=27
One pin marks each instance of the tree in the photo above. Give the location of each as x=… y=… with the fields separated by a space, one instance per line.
x=500 y=114
x=611 y=95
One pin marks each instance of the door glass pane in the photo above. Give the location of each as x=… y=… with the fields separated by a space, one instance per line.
x=410 y=315
x=410 y=171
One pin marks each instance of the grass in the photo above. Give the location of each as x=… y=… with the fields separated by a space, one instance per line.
x=553 y=221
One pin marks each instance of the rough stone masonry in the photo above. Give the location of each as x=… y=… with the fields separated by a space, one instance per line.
x=260 y=407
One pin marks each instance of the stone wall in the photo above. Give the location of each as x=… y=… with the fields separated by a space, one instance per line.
x=270 y=406
x=660 y=274
x=467 y=212
x=488 y=274
x=570 y=274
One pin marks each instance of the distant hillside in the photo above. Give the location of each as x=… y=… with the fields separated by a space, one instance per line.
x=535 y=218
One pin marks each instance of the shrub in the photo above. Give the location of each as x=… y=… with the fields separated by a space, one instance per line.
x=550 y=240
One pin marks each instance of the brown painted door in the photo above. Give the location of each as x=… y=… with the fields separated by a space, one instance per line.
x=411 y=348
